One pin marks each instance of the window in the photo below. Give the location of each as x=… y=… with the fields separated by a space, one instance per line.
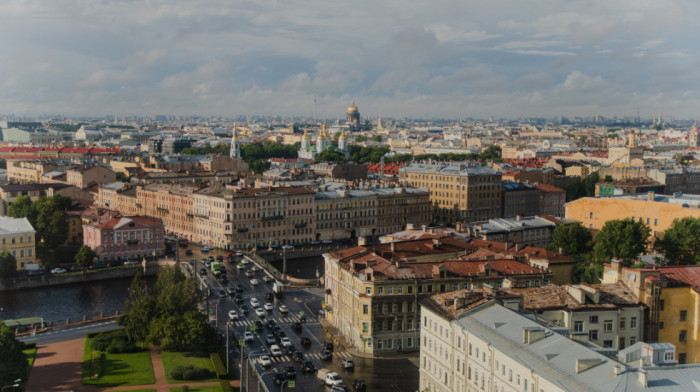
x=607 y=343
x=593 y=334
x=365 y=309
x=578 y=326
x=668 y=356
x=608 y=326
x=390 y=290
x=633 y=340
x=399 y=289
x=410 y=289
x=633 y=323
x=684 y=315
x=380 y=290
x=622 y=323
x=681 y=358
x=593 y=319
x=661 y=325
x=621 y=344
x=682 y=335
x=661 y=304
x=368 y=290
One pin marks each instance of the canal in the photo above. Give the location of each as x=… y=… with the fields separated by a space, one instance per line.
x=303 y=268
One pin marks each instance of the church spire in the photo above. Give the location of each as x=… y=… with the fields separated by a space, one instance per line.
x=235 y=151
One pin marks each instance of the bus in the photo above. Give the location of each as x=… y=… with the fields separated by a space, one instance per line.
x=216 y=268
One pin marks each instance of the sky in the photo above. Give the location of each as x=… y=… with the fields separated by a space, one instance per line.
x=397 y=58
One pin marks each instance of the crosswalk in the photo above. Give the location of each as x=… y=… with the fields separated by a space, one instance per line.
x=310 y=356
x=278 y=320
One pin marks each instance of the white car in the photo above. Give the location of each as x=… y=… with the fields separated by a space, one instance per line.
x=133 y=262
x=255 y=268
x=254 y=282
x=206 y=248
x=268 y=306
x=283 y=309
x=56 y=271
x=260 y=312
x=248 y=336
x=333 y=378
x=245 y=261
x=239 y=254
x=265 y=361
x=266 y=279
x=275 y=351
x=254 y=302
x=285 y=342
x=287 y=247
x=249 y=273
x=232 y=315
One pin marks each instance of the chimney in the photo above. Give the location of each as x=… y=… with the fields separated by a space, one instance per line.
x=533 y=334
x=518 y=245
x=643 y=377
x=362 y=241
x=617 y=370
x=584 y=364
x=410 y=226
x=436 y=243
x=561 y=250
x=651 y=196
x=393 y=246
x=424 y=228
x=517 y=217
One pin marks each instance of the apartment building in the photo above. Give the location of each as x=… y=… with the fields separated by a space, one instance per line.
x=524 y=231
x=119 y=196
x=459 y=191
x=672 y=295
x=170 y=203
x=27 y=172
x=398 y=207
x=83 y=176
x=126 y=237
x=552 y=200
x=473 y=344
x=373 y=291
x=18 y=237
x=212 y=217
x=656 y=211
x=272 y=216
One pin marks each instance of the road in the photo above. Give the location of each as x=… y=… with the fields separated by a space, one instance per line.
x=59 y=335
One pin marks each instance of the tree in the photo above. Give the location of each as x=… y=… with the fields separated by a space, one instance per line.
x=587 y=271
x=22 y=208
x=331 y=156
x=681 y=242
x=378 y=138
x=14 y=363
x=85 y=257
x=8 y=264
x=139 y=310
x=572 y=239
x=623 y=239
x=360 y=138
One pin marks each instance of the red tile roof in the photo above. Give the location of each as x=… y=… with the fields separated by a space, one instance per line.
x=682 y=275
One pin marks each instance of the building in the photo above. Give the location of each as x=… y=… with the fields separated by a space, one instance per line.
x=520 y=199
x=478 y=345
x=373 y=290
x=126 y=237
x=175 y=145
x=626 y=154
x=170 y=203
x=552 y=200
x=18 y=237
x=657 y=211
x=672 y=295
x=629 y=187
x=523 y=231
x=10 y=192
x=694 y=136
x=352 y=118
x=678 y=179
x=459 y=191
x=84 y=176
x=28 y=172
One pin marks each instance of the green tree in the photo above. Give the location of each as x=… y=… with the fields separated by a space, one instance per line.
x=623 y=239
x=378 y=138
x=8 y=264
x=587 y=271
x=138 y=310
x=13 y=363
x=85 y=257
x=681 y=242
x=573 y=239
x=22 y=208
x=331 y=156
x=360 y=138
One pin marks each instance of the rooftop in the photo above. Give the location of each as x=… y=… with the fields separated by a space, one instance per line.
x=15 y=225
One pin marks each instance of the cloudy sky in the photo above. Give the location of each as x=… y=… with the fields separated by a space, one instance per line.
x=436 y=58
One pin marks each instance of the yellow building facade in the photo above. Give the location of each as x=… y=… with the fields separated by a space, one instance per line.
x=18 y=237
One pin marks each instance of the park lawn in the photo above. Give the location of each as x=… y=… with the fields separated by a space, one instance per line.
x=119 y=369
x=212 y=388
x=173 y=359
x=30 y=353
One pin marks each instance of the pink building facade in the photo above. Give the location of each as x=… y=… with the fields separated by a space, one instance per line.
x=126 y=237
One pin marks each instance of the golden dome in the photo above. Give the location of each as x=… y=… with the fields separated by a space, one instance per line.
x=342 y=135
x=352 y=107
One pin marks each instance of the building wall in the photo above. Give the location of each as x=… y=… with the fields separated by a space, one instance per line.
x=675 y=300
x=523 y=202
x=125 y=242
x=21 y=245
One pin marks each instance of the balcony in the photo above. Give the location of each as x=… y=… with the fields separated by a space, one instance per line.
x=132 y=242
x=162 y=209
x=273 y=217
x=242 y=229
x=300 y=225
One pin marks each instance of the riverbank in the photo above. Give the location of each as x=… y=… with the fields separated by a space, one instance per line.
x=25 y=283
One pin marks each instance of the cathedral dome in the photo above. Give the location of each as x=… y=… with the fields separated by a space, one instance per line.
x=352 y=108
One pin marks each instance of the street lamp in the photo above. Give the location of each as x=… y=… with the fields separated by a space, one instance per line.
x=14 y=385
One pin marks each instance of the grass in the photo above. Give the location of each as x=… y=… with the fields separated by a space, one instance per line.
x=119 y=369
x=213 y=388
x=173 y=359
x=30 y=353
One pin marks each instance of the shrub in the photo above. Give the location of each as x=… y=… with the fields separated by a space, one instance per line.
x=118 y=346
x=190 y=373
x=226 y=386
x=29 y=345
x=219 y=366
x=185 y=388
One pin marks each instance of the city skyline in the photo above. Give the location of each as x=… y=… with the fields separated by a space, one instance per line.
x=446 y=59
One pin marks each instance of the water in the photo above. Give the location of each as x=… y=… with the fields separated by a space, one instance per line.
x=303 y=268
x=74 y=301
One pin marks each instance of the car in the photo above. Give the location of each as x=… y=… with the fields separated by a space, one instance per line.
x=244 y=309
x=268 y=306
x=260 y=312
x=275 y=351
x=231 y=291
x=207 y=264
x=290 y=372
x=202 y=271
x=283 y=309
x=266 y=279
x=248 y=336
x=326 y=242
x=224 y=279
x=302 y=317
x=232 y=315
x=255 y=268
x=58 y=271
x=279 y=378
x=239 y=254
x=333 y=378
x=270 y=339
x=131 y=262
x=326 y=355
x=271 y=324
x=359 y=385
x=269 y=297
x=328 y=346
x=245 y=261
x=254 y=302
x=219 y=258
x=240 y=266
x=189 y=252
x=276 y=330
x=238 y=298
x=249 y=274
x=222 y=293
x=340 y=388
x=281 y=335
x=308 y=367
x=74 y=268
x=206 y=248
x=239 y=288
x=285 y=341
x=287 y=247
x=347 y=364
x=254 y=282
x=259 y=325
x=210 y=258
x=298 y=356
x=315 y=243
x=290 y=350
x=305 y=341
x=265 y=361
x=204 y=259
x=296 y=326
